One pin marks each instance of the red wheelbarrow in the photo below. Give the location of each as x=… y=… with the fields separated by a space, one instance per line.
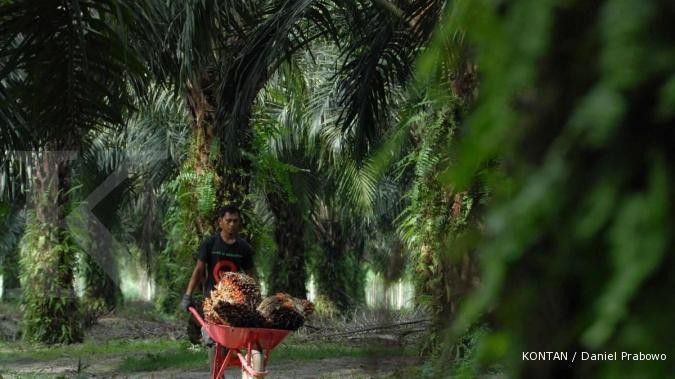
x=230 y=341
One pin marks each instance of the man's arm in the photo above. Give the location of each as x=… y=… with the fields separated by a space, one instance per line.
x=197 y=275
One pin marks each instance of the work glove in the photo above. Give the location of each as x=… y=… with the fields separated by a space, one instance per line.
x=186 y=302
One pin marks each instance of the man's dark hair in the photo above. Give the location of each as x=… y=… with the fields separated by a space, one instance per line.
x=231 y=209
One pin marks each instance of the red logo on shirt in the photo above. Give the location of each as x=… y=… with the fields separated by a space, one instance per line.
x=223 y=265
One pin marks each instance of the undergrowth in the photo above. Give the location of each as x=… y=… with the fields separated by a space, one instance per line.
x=195 y=358
x=162 y=354
x=20 y=351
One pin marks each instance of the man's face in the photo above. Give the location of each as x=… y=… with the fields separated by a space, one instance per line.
x=229 y=223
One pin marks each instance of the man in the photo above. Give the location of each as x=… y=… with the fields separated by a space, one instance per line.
x=223 y=251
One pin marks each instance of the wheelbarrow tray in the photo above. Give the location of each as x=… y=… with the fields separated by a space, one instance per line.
x=239 y=338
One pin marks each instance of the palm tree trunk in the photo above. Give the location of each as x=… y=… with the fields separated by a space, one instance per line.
x=101 y=294
x=339 y=275
x=288 y=273
x=48 y=259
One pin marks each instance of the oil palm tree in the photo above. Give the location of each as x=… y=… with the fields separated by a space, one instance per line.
x=286 y=169
x=309 y=171
x=65 y=74
x=220 y=56
x=104 y=159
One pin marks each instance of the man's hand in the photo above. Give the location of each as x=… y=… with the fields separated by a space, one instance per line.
x=186 y=302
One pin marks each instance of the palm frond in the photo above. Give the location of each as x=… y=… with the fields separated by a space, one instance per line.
x=376 y=62
x=188 y=38
x=286 y=28
x=72 y=64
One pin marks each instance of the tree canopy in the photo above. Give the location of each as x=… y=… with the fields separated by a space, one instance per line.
x=513 y=159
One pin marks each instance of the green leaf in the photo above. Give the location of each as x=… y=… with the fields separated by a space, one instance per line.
x=666 y=106
x=638 y=239
x=599 y=114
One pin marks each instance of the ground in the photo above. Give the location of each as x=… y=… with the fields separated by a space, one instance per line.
x=321 y=368
x=139 y=344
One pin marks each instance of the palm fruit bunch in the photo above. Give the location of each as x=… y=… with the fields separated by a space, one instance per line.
x=233 y=301
x=283 y=311
x=239 y=315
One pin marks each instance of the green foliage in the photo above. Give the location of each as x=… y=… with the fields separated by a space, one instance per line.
x=340 y=277
x=188 y=358
x=66 y=67
x=22 y=351
x=183 y=239
x=104 y=160
x=466 y=355
x=559 y=175
x=101 y=293
x=189 y=219
x=163 y=360
x=50 y=306
x=284 y=175
x=435 y=221
x=11 y=229
x=576 y=239
x=155 y=142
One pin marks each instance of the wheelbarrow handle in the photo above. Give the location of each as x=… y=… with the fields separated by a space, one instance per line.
x=196 y=315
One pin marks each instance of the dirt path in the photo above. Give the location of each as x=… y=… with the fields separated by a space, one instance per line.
x=322 y=368
x=341 y=368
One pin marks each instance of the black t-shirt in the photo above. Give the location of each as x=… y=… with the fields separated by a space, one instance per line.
x=214 y=250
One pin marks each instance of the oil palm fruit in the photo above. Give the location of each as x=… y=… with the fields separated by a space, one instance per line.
x=233 y=301
x=283 y=311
